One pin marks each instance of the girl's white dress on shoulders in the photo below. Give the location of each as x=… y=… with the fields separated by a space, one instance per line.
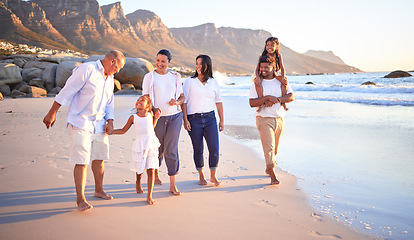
x=145 y=146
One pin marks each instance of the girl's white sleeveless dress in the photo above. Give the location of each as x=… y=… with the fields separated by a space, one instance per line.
x=145 y=146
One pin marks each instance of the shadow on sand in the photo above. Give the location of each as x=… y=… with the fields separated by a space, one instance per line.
x=47 y=197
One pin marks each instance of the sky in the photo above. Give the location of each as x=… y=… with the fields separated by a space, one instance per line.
x=372 y=35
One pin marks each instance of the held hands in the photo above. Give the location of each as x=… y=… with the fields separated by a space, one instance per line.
x=109 y=127
x=271 y=100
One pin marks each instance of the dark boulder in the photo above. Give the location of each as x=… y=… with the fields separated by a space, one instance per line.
x=398 y=74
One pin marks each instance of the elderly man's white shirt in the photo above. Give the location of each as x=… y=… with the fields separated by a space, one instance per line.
x=90 y=96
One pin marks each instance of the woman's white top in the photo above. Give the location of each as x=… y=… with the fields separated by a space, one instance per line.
x=199 y=97
x=162 y=88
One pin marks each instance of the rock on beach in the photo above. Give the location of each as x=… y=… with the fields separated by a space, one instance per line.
x=133 y=72
x=398 y=74
x=10 y=74
x=50 y=73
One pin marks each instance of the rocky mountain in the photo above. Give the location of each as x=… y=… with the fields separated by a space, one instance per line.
x=325 y=55
x=149 y=27
x=228 y=46
x=86 y=26
x=12 y=27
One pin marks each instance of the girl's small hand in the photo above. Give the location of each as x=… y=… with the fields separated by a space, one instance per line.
x=109 y=127
x=269 y=103
x=157 y=113
x=282 y=80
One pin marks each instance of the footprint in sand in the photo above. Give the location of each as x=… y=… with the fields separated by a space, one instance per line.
x=267 y=203
x=260 y=188
x=317 y=216
x=325 y=235
x=228 y=177
x=241 y=168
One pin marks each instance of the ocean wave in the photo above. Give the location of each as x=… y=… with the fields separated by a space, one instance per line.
x=362 y=100
x=337 y=87
x=382 y=89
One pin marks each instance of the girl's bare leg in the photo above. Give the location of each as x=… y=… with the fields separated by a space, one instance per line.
x=150 y=183
x=138 y=183
x=157 y=178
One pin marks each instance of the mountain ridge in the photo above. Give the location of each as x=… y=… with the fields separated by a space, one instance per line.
x=87 y=26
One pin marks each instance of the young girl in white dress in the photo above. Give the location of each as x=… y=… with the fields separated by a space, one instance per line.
x=145 y=147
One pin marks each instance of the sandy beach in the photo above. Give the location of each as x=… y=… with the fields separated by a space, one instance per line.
x=37 y=195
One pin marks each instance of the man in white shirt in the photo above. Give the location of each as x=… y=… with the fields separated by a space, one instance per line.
x=89 y=90
x=269 y=119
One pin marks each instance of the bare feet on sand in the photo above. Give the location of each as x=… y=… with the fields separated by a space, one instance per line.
x=84 y=206
x=202 y=180
x=103 y=195
x=215 y=181
x=157 y=181
x=175 y=191
x=151 y=201
x=273 y=179
x=274 y=182
x=213 y=178
x=139 y=189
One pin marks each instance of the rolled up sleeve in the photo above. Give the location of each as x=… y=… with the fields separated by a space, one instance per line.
x=109 y=110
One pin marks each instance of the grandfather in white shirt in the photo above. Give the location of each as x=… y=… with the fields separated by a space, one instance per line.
x=89 y=92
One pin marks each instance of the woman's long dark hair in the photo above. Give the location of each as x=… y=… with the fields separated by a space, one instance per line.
x=207 y=67
x=276 y=55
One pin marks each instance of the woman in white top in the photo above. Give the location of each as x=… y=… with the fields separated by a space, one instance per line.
x=202 y=96
x=166 y=92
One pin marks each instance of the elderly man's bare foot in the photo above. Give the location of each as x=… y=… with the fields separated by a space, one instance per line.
x=215 y=181
x=84 y=206
x=103 y=195
x=151 y=201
